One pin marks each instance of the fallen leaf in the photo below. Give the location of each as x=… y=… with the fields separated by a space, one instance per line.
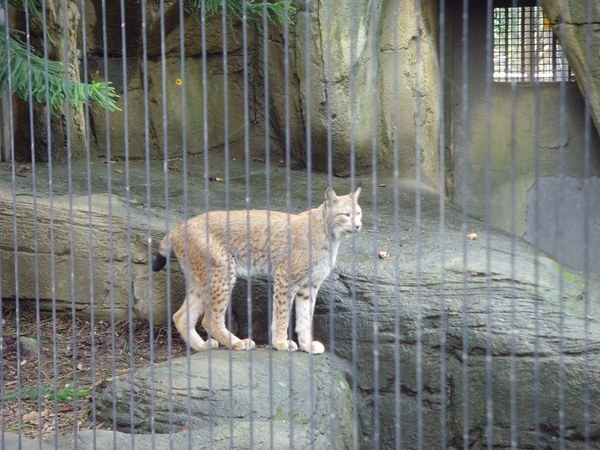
x=384 y=255
x=65 y=409
x=382 y=185
x=119 y=171
x=31 y=417
x=472 y=236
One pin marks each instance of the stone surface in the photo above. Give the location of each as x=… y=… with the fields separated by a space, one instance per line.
x=12 y=441
x=102 y=277
x=366 y=78
x=564 y=220
x=578 y=29
x=494 y=294
x=29 y=345
x=165 y=100
x=233 y=398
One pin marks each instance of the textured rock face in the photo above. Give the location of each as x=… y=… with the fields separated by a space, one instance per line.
x=389 y=318
x=173 y=85
x=530 y=331
x=392 y=317
x=371 y=84
x=366 y=77
x=106 y=274
x=578 y=29
x=245 y=392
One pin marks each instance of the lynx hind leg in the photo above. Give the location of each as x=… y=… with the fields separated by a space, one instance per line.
x=221 y=284
x=186 y=317
x=305 y=306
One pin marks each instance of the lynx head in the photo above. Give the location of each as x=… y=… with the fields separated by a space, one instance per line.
x=344 y=216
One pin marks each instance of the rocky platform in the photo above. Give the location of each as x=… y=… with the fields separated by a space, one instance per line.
x=442 y=335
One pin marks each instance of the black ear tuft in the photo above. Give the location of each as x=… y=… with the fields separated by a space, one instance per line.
x=159 y=262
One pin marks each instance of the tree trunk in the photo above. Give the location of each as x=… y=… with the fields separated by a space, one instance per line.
x=67 y=126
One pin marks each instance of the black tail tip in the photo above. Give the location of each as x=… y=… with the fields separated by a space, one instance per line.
x=159 y=262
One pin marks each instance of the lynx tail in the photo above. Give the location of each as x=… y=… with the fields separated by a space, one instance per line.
x=161 y=258
x=159 y=262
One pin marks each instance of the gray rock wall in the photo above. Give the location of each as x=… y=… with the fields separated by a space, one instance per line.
x=102 y=279
x=364 y=64
x=390 y=317
x=173 y=86
x=382 y=87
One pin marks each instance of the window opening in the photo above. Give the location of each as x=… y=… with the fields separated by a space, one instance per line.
x=525 y=47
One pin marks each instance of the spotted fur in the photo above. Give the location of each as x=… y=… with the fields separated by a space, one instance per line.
x=297 y=251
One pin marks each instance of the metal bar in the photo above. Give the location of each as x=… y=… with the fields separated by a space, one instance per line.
x=247 y=157
x=396 y=174
x=512 y=202
x=588 y=128
x=489 y=313
x=420 y=25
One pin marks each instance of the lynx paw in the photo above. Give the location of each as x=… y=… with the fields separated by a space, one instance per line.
x=315 y=348
x=289 y=346
x=202 y=347
x=244 y=344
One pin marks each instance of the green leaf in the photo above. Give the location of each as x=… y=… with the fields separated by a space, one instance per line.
x=47 y=81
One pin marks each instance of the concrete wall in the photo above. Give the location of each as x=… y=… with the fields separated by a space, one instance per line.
x=534 y=132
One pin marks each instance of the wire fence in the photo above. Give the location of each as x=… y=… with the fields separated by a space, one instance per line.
x=248 y=224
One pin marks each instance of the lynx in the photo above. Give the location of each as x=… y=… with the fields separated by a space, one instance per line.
x=298 y=252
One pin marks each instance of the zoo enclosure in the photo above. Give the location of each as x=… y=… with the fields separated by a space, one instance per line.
x=217 y=114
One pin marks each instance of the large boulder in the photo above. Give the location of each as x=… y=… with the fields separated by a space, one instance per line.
x=68 y=257
x=444 y=312
x=231 y=399
x=493 y=315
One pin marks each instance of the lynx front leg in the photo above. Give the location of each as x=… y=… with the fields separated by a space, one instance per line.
x=186 y=317
x=305 y=306
x=282 y=301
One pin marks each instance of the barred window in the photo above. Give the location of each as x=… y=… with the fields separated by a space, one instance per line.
x=525 y=47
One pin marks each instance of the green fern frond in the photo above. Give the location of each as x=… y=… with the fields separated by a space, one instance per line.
x=254 y=10
x=59 y=86
x=34 y=6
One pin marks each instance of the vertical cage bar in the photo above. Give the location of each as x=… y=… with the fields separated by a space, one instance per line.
x=489 y=312
x=443 y=31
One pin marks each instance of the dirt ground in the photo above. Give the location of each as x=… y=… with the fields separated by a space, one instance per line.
x=68 y=364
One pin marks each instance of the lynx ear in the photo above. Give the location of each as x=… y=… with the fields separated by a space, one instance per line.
x=356 y=193
x=330 y=195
